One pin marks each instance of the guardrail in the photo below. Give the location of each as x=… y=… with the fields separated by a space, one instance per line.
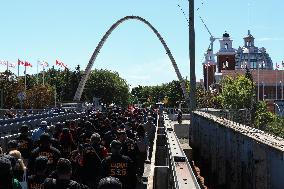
x=12 y=128
x=74 y=116
x=28 y=117
x=170 y=167
x=180 y=168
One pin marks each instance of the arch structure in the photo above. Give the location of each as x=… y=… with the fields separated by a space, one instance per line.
x=86 y=74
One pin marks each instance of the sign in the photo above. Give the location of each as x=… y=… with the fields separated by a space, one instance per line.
x=21 y=96
x=97 y=104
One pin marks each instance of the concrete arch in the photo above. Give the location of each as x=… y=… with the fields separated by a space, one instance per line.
x=86 y=74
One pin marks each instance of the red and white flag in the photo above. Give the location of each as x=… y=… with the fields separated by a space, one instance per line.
x=20 y=62
x=61 y=64
x=27 y=64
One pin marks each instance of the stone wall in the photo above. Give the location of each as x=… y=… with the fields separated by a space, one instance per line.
x=236 y=156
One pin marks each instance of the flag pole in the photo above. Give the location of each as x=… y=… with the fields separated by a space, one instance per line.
x=276 y=81
x=263 y=90
x=25 y=77
x=7 y=62
x=43 y=74
x=37 y=72
x=18 y=68
x=258 y=82
x=282 y=82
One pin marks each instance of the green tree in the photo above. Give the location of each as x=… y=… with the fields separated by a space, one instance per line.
x=206 y=99
x=152 y=94
x=237 y=93
x=39 y=97
x=108 y=86
x=262 y=116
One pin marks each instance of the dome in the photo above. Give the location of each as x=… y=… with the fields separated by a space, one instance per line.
x=226 y=34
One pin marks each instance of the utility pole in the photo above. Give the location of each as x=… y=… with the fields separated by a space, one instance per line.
x=192 y=56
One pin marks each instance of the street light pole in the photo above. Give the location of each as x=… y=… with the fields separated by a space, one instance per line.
x=192 y=56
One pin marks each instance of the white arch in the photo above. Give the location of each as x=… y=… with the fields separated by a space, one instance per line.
x=86 y=74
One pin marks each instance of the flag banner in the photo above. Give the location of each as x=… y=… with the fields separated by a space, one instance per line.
x=11 y=65
x=282 y=63
x=58 y=63
x=61 y=64
x=27 y=64
x=4 y=62
x=20 y=62
x=43 y=63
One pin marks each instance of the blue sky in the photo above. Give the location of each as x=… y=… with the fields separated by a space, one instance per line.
x=70 y=30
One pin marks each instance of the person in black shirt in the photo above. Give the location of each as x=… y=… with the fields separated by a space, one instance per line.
x=36 y=181
x=63 y=181
x=129 y=146
x=45 y=149
x=96 y=144
x=119 y=166
x=25 y=143
x=91 y=166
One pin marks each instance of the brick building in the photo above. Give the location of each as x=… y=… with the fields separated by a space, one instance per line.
x=269 y=83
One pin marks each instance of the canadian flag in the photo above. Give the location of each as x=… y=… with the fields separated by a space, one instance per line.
x=61 y=64
x=20 y=62
x=27 y=64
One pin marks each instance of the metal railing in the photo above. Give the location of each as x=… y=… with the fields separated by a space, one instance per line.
x=33 y=122
x=170 y=167
x=181 y=171
x=5 y=139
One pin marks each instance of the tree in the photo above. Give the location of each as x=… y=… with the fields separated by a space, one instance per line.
x=237 y=93
x=276 y=127
x=206 y=99
x=39 y=97
x=10 y=87
x=108 y=86
x=262 y=116
x=150 y=95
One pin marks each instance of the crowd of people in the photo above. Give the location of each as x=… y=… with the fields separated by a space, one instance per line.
x=102 y=150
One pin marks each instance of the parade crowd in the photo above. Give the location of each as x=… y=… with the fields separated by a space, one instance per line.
x=101 y=150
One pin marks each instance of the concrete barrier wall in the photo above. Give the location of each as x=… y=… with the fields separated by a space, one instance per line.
x=236 y=156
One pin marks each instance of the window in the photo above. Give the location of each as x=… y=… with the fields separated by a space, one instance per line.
x=226 y=46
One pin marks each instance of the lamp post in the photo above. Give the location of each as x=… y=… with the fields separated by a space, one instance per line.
x=192 y=56
x=262 y=90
